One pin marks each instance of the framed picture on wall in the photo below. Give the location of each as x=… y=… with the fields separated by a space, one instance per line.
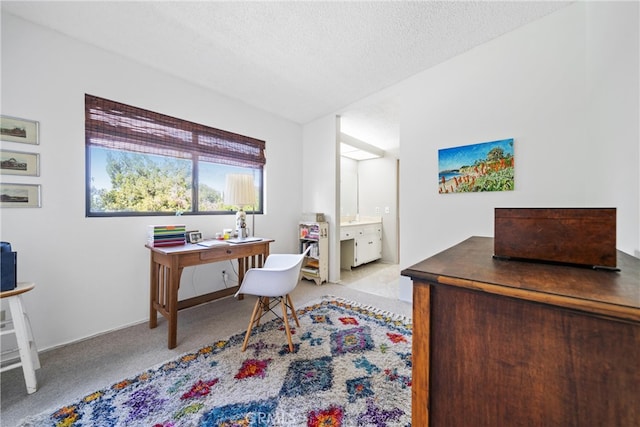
x=14 y=129
x=19 y=195
x=19 y=163
x=487 y=166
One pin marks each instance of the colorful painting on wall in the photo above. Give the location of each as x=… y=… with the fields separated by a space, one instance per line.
x=487 y=166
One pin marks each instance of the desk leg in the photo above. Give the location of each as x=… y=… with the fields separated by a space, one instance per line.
x=174 y=285
x=153 y=294
x=241 y=269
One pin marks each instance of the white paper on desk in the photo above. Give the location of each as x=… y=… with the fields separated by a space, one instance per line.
x=244 y=240
x=209 y=243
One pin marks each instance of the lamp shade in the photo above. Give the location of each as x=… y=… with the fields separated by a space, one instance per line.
x=239 y=190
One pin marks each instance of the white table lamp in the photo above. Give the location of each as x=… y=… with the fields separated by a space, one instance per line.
x=240 y=191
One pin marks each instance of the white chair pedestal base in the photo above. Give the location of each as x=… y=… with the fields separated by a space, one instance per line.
x=29 y=359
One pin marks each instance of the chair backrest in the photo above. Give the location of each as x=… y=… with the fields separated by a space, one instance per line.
x=278 y=277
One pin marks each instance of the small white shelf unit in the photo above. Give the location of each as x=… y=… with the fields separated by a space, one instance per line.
x=316 y=264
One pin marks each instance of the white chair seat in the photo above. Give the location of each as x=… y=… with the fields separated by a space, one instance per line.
x=276 y=279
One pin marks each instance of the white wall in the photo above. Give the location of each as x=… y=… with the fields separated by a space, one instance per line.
x=613 y=94
x=321 y=180
x=92 y=274
x=566 y=88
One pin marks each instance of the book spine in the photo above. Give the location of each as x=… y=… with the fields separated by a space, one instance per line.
x=166 y=235
x=174 y=242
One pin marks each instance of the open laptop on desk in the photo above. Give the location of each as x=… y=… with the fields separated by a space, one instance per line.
x=245 y=240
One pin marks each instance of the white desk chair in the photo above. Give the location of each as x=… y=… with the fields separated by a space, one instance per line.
x=29 y=359
x=276 y=279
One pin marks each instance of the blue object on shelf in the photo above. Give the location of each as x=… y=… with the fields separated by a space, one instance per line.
x=8 y=267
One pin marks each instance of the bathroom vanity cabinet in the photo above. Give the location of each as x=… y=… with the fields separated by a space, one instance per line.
x=360 y=243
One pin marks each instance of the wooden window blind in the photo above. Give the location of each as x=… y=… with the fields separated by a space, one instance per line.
x=118 y=126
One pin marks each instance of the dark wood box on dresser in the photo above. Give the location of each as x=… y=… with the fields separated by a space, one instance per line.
x=581 y=236
x=514 y=343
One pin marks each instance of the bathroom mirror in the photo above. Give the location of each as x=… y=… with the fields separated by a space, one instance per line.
x=348 y=187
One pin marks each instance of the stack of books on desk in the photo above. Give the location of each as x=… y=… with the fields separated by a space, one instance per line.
x=167 y=235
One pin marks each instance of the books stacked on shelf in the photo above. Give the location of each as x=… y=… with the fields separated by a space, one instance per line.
x=310 y=231
x=313 y=263
x=313 y=252
x=167 y=235
x=310 y=270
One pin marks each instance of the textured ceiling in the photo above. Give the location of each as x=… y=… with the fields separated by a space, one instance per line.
x=298 y=60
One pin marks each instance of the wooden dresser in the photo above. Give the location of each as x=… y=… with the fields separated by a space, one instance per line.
x=512 y=343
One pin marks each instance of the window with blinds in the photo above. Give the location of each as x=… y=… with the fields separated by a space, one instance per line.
x=139 y=162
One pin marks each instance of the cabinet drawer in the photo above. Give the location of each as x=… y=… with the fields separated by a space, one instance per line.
x=355 y=231
x=347 y=233
x=372 y=229
x=231 y=252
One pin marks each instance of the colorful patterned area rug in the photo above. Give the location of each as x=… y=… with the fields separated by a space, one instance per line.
x=351 y=366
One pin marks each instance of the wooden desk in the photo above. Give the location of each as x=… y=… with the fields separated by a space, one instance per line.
x=167 y=264
x=519 y=343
